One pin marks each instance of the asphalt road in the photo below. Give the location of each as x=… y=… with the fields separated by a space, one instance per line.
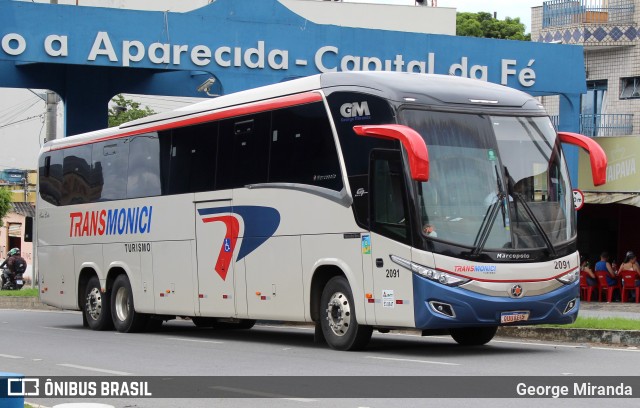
x=39 y=343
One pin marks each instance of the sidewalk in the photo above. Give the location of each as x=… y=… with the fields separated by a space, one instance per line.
x=613 y=309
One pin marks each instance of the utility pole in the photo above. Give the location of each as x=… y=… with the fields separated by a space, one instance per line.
x=51 y=117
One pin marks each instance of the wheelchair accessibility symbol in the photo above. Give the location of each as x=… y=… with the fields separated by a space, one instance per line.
x=227 y=244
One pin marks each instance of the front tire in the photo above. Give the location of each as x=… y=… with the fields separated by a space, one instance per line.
x=125 y=318
x=473 y=336
x=97 y=308
x=338 y=317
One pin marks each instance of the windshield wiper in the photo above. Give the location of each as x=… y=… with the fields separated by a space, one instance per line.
x=489 y=218
x=485 y=227
x=534 y=220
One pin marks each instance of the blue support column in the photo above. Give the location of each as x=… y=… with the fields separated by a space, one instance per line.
x=570 y=122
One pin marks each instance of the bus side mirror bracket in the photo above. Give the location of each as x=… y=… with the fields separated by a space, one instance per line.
x=597 y=156
x=411 y=140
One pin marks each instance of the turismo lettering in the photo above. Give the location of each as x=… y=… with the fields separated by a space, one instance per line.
x=123 y=221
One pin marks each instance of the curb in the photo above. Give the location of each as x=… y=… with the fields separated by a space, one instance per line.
x=618 y=337
x=23 y=302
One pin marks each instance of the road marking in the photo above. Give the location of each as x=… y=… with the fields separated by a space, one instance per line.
x=261 y=394
x=413 y=361
x=634 y=350
x=285 y=327
x=538 y=344
x=98 y=370
x=61 y=328
x=195 y=341
x=10 y=356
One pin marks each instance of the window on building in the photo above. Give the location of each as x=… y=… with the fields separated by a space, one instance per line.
x=630 y=88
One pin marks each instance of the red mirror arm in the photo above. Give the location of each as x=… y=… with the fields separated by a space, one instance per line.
x=411 y=140
x=597 y=156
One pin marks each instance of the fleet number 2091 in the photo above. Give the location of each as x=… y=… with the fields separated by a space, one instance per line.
x=393 y=273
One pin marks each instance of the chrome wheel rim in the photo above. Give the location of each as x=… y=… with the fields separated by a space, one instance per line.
x=122 y=304
x=339 y=314
x=94 y=303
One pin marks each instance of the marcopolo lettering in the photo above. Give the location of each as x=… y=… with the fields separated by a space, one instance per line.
x=119 y=221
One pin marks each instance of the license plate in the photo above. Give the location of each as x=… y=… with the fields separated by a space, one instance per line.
x=18 y=281
x=512 y=317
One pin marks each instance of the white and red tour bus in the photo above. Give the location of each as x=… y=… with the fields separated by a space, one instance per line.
x=356 y=201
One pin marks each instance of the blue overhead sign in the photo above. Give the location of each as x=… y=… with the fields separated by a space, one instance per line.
x=249 y=43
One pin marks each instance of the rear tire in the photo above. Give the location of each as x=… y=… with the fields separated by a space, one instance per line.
x=125 y=318
x=338 y=317
x=97 y=308
x=473 y=336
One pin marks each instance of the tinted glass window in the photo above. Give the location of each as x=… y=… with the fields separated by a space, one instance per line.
x=244 y=151
x=191 y=158
x=51 y=177
x=388 y=196
x=303 y=149
x=110 y=162
x=144 y=167
x=348 y=110
x=78 y=185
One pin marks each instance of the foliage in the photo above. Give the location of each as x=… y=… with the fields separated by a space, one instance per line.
x=126 y=110
x=5 y=203
x=482 y=24
x=24 y=292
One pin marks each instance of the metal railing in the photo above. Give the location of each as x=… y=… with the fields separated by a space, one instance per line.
x=617 y=124
x=572 y=12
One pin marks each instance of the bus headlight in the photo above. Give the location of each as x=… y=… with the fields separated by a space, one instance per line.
x=570 y=277
x=429 y=273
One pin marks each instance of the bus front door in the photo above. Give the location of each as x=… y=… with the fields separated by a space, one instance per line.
x=390 y=236
x=216 y=235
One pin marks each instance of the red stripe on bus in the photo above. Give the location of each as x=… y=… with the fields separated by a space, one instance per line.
x=251 y=108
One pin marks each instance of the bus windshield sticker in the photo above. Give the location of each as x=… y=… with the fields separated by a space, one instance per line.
x=366 y=244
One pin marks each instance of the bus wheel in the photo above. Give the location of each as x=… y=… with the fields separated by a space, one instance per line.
x=338 y=317
x=96 y=310
x=473 y=336
x=125 y=318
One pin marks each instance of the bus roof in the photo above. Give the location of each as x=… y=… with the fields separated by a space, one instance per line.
x=416 y=88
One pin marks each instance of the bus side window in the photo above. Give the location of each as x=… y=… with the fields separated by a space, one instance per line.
x=303 y=149
x=144 y=167
x=389 y=215
x=189 y=157
x=110 y=163
x=51 y=177
x=243 y=157
x=78 y=185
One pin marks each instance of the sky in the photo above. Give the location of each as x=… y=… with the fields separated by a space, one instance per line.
x=22 y=112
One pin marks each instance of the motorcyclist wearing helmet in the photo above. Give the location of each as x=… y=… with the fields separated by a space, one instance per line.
x=14 y=262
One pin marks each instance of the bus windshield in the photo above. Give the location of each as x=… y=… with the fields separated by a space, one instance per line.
x=497 y=182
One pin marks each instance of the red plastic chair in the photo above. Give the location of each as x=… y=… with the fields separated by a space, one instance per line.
x=603 y=285
x=629 y=285
x=585 y=289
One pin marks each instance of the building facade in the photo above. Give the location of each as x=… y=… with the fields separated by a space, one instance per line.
x=609 y=32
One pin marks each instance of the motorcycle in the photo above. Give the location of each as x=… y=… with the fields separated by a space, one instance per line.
x=11 y=281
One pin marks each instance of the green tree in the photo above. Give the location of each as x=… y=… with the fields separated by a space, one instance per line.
x=5 y=203
x=125 y=110
x=482 y=24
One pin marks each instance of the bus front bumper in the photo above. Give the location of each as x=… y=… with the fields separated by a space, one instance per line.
x=442 y=307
